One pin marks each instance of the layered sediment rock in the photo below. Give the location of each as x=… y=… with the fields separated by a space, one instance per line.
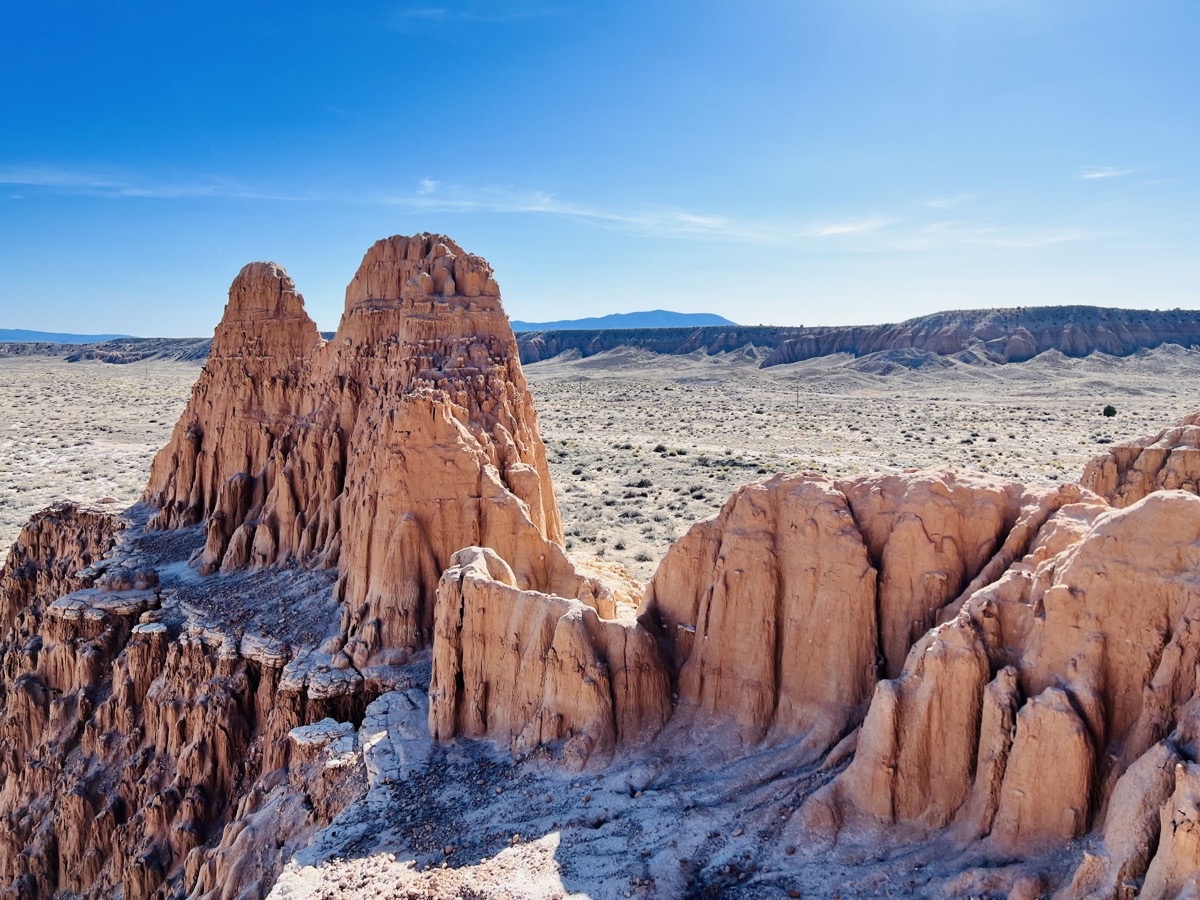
x=1127 y=472
x=132 y=729
x=529 y=669
x=1010 y=667
x=951 y=656
x=155 y=727
x=42 y=565
x=782 y=610
x=995 y=335
x=409 y=435
x=1054 y=683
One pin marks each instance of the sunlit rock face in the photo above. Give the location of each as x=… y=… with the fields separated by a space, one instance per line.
x=408 y=436
x=1003 y=667
x=1170 y=460
x=155 y=714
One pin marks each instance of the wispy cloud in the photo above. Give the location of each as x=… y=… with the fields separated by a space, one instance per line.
x=869 y=233
x=865 y=225
x=950 y=202
x=1027 y=240
x=661 y=222
x=409 y=17
x=1091 y=173
x=975 y=233
x=104 y=183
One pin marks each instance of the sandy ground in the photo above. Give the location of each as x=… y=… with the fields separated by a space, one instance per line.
x=691 y=816
x=642 y=445
x=81 y=431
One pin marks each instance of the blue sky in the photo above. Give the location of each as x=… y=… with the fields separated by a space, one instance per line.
x=774 y=161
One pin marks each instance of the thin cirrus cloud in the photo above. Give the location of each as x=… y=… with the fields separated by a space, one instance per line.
x=663 y=222
x=408 y=18
x=967 y=233
x=432 y=195
x=99 y=183
x=951 y=202
x=868 y=234
x=1092 y=173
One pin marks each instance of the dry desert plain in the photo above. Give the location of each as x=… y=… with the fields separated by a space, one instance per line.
x=642 y=445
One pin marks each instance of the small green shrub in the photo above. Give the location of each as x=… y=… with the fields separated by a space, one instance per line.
x=1110 y=411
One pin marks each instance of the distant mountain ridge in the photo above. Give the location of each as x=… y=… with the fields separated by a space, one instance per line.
x=654 y=318
x=974 y=336
x=20 y=335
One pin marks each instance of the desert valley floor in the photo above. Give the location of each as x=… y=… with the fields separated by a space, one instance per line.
x=642 y=445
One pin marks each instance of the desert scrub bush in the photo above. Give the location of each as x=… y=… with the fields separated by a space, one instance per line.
x=1110 y=411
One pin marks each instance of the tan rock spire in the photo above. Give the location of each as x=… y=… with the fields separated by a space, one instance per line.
x=408 y=436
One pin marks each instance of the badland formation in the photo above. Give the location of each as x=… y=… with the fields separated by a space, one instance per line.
x=346 y=577
x=975 y=337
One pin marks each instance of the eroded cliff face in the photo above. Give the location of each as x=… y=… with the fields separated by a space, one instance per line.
x=528 y=669
x=159 y=718
x=408 y=436
x=1060 y=691
x=1127 y=472
x=782 y=611
x=1004 y=668
x=995 y=335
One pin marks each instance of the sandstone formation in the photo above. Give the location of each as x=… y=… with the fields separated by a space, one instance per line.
x=1049 y=688
x=155 y=724
x=409 y=435
x=1170 y=460
x=528 y=669
x=1008 y=667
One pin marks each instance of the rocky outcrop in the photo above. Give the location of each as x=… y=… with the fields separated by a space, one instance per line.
x=1010 y=668
x=782 y=611
x=1049 y=687
x=41 y=566
x=766 y=613
x=529 y=669
x=1127 y=472
x=381 y=452
x=900 y=657
x=995 y=335
x=133 y=729
x=159 y=723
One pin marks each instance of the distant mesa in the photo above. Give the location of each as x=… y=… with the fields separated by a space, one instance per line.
x=655 y=318
x=978 y=337
x=975 y=337
x=22 y=336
